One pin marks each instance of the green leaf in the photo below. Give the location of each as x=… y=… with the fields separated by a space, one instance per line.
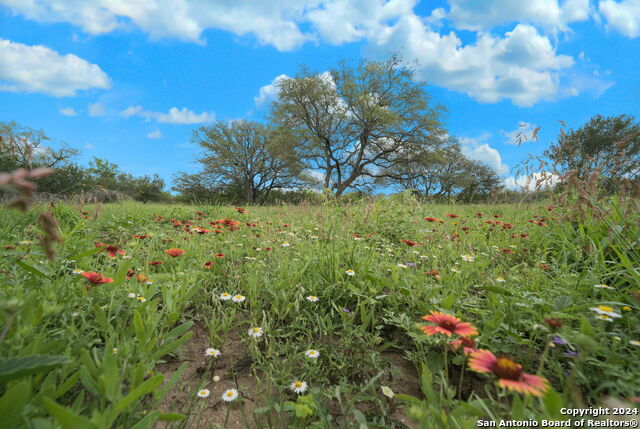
x=138 y=392
x=86 y=253
x=586 y=328
x=159 y=394
x=147 y=421
x=179 y=330
x=360 y=418
x=13 y=402
x=168 y=348
x=562 y=302
x=32 y=269
x=17 y=367
x=67 y=418
x=553 y=403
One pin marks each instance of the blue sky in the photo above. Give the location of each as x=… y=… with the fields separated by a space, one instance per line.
x=129 y=80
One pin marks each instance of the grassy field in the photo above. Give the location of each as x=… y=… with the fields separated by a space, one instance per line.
x=313 y=316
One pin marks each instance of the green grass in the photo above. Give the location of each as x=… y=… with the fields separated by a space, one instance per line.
x=133 y=362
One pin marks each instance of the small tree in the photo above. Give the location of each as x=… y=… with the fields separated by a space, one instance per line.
x=28 y=148
x=610 y=145
x=248 y=156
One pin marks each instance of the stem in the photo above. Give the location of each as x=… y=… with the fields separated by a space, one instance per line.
x=464 y=363
x=545 y=354
x=446 y=366
x=226 y=417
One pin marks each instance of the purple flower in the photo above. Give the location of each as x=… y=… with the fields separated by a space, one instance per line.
x=558 y=340
x=411 y=264
x=571 y=353
x=346 y=310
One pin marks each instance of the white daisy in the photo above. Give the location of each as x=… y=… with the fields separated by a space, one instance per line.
x=602 y=286
x=312 y=298
x=27 y=242
x=203 y=393
x=238 y=298
x=500 y=279
x=210 y=351
x=226 y=296
x=255 y=332
x=350 y=273
x=312 y=354
x=468 y=258
x=77 y=271
x=131 y=295
x=634 y=342
x=605 y=310
x=230 y=395
x=285 y=244
x=298 y=387
x=114 y=351
x=142 y=299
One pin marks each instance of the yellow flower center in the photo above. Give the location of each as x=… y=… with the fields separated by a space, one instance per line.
x=298 y=383
x=605 y=308
x=229 y=393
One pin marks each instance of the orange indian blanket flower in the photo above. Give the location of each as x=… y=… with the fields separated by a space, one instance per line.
x=447 y=325
x=509 y=373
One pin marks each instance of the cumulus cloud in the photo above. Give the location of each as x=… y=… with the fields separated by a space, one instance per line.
x=269 y=92
x=522 y=66
x=39 y=69
x=531 y=182
x=475 y=148
x=623 y=16
x=551 y=15
x=174 y=116
x=97 y=109
x=68 y=111
x=154 y=135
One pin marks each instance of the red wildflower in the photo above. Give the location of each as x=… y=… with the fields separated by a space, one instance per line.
x=553 y=323
x=549 y=207
x=174 y=252
x=113 y=251
x=159 y=218
x=452 y=215
x=469 y=346
x=96 y=244
x=155 y=263
x=510 y=374
x=434 y=273
x=219 y=255
x=410 y=243
x=208 y=264
x=508 y=251
x=240 y=210
x=200 y=214
x=130 y=273
x=433 y=219
x=496 y=215
x=96 y=278
x=478 y=214
x=545 y=267
x=140 y=237
x=447 y=325
x=201 y=230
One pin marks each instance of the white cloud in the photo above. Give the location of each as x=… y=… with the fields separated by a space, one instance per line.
x=531 y=182
x=474 y=148
x=97 y=109
x=523 y=66
x=269 y=92
x=174 y=116
x=154 y=135
x=37 y=68
x=523 y=134
x=551 y=15
x=68 y=111
x=623 y=16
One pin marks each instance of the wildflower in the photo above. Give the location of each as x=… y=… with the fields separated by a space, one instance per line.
x=402 y=265
x=77 y=271
x=25 y=242
x=114 y=351
x=208 y=264
x=155 y=263
x=238 y=298
x=142 y=299
x=174 y=252
x=203 y=393
x=634 y=343
x=298 y=387
x=455 y=270
x=230 y=395
x=447 y=325
x=469 y=346
x=225 y=296
x=255 y=332
x=113 y=251
x=468 y=258
x=312 y=354
x=219 y=255
x=452 y=215
x=410 y=243
x=558 y=340
x=345 y=310
x=605 y=310
x=141 y=236
x=313 y=237
x=500 y=279
x=131 y=295
x=509 y=373
x=96 y=278
x=350 y=273
x=212 y=352
x=285 y=244
x=553 y=323
x=312 y=298
x=602 y=286
x=75 y=314
x=216 y=378
x=604 y=317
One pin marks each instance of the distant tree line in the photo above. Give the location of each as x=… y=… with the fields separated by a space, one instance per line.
x=347 y=130
x=24 y=147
